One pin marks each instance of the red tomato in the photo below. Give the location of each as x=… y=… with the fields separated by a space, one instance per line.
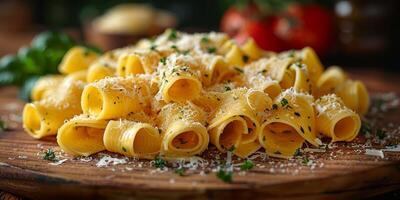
x=234 y=18
x=262 y=33
x=306 y=25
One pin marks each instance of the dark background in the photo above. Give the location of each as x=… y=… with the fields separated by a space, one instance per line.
x=374 y=25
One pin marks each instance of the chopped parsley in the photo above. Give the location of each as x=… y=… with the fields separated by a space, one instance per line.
x=263 y=71
x=238 y=69
x=305 y=160
x=297 y=152
x=153 y=47
x=49 y=155
x=225 y=175
x=159 y=162
x=3 y=126
x=274 y=106
x=247 y=165
x=174 y=47
x=298 y=64
x=381 y=134
x=284 y=102
x=291 y=53
x=172 y=35
x=180 y=171
x=205 y=39
x=301 y=129
x=211 y=49
x=365 y=128
x=124 y=149
x=227 y=88
x=232 y=148
x=297 y=114
x=163 y=60
x=245 y=58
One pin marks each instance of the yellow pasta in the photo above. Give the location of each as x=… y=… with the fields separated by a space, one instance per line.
x=354 y=95
x=183 y=131
x=45 y=86
x=330 y=80
x=42 y=118
x=178 y=93
x=82 y=136
x=234 y=121
x=77 y=59
x=116 y=97
x=130 y=138
x=98 y=71
x=180 y=81
x=289 y=124
x=335 y=120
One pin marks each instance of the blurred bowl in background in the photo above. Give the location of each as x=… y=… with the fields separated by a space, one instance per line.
x=125 y=24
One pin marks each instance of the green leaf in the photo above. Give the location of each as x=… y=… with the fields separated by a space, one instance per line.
x=247 y=165
x=3 y=126
x=49 y=155
x=7 y=78
x=225 y=175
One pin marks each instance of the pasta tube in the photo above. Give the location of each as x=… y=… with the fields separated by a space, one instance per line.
x=354 y=95
x=335 y=120
x=179 y=83
x=136 y=139
x=77 y=59
x=183 y=132
x=290 y=123
x=98 y=71
x=82 y=136
x=116 y=97
x=44 y=117
x=234 y=121
x=45 y=86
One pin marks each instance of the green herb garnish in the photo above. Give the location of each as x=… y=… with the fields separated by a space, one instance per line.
x=245 y=58
x=49 y=155
x=381 y=134
x=247 y=165
x=238 y=69
x=365 y=128
x=211 y=49
x=204 y=39
x=225 y=175
x=180 y=171
x=124 y=149
x=284 y=102
x=3 y=126
x=172 y=34
x=159 y=162
x=163 y=60
x=305 y=160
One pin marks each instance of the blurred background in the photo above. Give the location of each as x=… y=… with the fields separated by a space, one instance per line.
x=355 y=34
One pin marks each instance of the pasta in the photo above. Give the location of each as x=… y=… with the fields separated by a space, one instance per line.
x=177 y=94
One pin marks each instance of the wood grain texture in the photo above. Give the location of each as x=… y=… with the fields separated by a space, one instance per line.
x=339 y=173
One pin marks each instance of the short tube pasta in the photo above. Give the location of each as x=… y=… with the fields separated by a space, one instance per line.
x=77 y=59
x=115 y=97
x=45 y=86
x=82 y=136
x=130 y=138
x=335 y=120
x=183 y=131
x=44 y=117
x=290 y=123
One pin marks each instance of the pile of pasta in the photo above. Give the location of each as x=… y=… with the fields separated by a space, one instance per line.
x=177 y=94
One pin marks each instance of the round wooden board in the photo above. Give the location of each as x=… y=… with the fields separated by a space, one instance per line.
x=344 y=172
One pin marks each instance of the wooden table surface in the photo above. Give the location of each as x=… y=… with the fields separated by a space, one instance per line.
x=342 y=172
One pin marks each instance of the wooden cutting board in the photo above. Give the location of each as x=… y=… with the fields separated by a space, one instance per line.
x=344 y=172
